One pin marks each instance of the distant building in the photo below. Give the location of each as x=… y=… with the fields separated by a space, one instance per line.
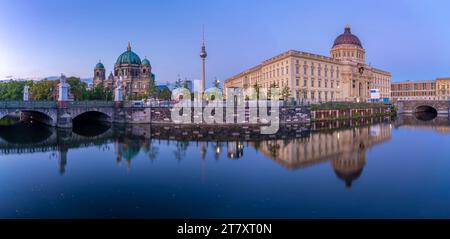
x=443 y=88
x=413 y=90
x=438 y=89
x=342 y=77
x=137 y=75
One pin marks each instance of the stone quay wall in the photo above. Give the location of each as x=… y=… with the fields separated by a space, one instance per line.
x=287 y=115
x=341 y=114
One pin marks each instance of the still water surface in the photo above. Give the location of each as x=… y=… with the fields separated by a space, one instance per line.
x=377 y=168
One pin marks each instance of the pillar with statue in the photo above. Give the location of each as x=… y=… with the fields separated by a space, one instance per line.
x=26 y=93
x=64 y=117
x=118 y=93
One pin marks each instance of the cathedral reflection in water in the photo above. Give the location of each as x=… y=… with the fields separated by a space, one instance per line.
x=344 y=145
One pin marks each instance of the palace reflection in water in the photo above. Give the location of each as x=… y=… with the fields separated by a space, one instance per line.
x=345 y=149
x=181 y=171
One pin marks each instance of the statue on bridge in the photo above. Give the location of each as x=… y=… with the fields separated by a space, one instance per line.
x=26 y=94
x=118 y=92
x=63 y=89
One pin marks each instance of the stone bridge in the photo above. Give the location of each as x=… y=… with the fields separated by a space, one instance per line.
x=440 y=107
x=63 y=114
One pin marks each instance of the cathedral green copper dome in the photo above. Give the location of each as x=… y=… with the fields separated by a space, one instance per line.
x=99 y=66
x=128 y=57
x=146 y=62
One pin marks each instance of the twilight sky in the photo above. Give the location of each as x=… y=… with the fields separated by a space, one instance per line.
x=409 y=38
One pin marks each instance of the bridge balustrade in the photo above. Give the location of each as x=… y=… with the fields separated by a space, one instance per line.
x=27 y=104
x=91 y=104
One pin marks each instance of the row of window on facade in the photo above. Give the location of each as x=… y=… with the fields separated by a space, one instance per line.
x=415 y=86
x=284 y=70
x=319 y=83
x=382 y=82
x=348 y=54
x=321 y=95
x=414 y=93
x=131 y=72
x=280 y=83
x=137 y=85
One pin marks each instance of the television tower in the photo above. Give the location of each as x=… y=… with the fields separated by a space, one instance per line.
x=203 y=56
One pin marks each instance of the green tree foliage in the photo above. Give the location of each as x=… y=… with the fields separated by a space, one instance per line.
x=257 y=89
x=13 y=90
x=152 y=90
x=285 y=92
x=47 y=90
x=164 y=94
x=98 y=92
x=43 y=90
x=77 y=88
x=269 y=91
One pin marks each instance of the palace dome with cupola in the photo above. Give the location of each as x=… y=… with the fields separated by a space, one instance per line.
x=348 y=47
x=347 y=38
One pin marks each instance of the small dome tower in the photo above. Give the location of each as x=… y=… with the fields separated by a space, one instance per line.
x=99 y=73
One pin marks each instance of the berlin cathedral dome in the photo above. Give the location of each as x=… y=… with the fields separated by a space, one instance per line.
x=128 y=58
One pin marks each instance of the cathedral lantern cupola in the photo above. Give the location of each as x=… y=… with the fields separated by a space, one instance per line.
x=348 y=47
x=146 y=68
x=99 y=73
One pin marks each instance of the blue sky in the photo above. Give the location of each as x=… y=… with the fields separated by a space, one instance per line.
x=409 y=38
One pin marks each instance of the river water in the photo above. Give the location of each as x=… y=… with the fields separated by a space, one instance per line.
x=371 y=168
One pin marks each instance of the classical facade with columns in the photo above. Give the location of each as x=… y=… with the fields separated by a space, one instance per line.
x=342 y=76
x=136 y=74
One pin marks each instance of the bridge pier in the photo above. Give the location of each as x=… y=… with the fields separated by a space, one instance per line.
x=119 y=114
x=64 y=118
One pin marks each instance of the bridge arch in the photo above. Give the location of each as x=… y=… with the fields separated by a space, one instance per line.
x=425 y=112
x=92 y=115
x=38 y=115
x=425 y=108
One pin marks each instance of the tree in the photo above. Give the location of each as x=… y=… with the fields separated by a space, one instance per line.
x=43 y=90
x=269 y=91
x=152 y=90
x=285 y=92
x=257 y=89
x=164 y=94
x=13 y=90
x=99 y=92
x=77 y=88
